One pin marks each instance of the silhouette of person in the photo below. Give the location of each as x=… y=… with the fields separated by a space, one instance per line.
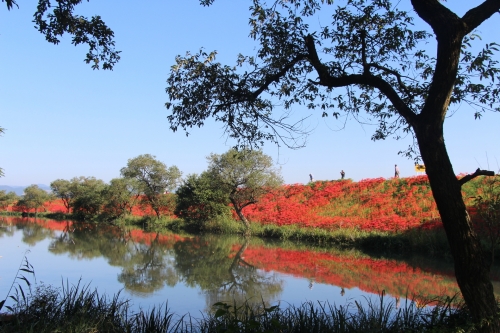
x=342 y=174
x=396 y=171
x=311 y=177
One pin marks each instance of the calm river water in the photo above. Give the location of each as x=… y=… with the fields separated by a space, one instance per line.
x=189 y=274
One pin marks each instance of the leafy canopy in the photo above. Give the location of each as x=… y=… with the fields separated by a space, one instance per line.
x=54 y=19
x=201 y=199
x=244 y=175
x=370 y=48
x=64 y=190
x=7 y=199
x=153 y=179
x=34 y=198
x=87 y=198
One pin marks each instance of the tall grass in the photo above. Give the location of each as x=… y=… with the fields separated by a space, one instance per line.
x=79 y=309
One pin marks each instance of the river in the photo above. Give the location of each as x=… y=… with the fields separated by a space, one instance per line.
x=191 y=273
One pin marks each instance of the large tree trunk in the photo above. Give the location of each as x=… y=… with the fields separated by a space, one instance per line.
x=471 y=267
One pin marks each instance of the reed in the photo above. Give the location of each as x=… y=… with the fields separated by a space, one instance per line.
x=79 y=309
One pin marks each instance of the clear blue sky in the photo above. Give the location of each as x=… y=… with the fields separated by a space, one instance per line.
x=63 y=119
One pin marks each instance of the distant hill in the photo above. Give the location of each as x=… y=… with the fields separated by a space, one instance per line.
x=19 y=190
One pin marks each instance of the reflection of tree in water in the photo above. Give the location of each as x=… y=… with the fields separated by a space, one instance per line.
x=32 y=231
x=220 y=270
x=148 y=263
x=89 y=241
x=147 y=268
x=144 y=266
x=6 y=228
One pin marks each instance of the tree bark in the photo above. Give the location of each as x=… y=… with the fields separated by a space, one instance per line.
x=242 y=217
x=471 y=268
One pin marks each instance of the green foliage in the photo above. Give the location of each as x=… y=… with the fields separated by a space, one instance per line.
x=486 y=205
x=7 y=199
x=153 y=179
x=33 y=198
x=245 y=175
x=200 y=199
x=79 y=309
x=87 y=197
x=64 y=190
x=370 y=45
x=119 y=197
x=62 y=20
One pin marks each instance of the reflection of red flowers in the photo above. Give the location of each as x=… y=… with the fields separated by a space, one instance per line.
x=343 y=270
x=136 y=235
x=368 y=274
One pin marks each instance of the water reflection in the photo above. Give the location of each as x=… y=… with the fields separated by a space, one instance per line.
x=149 y=261
x=217 y=265
x=229 y=268
x=32 y=232
x=147 y=267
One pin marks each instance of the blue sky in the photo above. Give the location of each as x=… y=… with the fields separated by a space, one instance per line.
x=63 y=119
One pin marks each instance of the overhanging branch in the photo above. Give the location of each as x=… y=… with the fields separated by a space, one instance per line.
x=277 y=76
x=478 y=172
x=366 y=78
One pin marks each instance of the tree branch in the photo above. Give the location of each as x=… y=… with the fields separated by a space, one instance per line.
x=276 y=77
x=393 y=72
x=478 y=172
x=435 y=14
x=366 y=78
x=477 y=15
x=10 y=4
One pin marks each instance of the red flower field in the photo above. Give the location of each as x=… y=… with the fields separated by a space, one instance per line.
x=380 y=204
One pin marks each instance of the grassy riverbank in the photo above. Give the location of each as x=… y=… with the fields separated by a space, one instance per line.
x=422 y=241
x=417 y=241
x=79 y=309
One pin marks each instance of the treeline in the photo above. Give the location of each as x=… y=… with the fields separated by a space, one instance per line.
x=232 y=181
x=243 y=185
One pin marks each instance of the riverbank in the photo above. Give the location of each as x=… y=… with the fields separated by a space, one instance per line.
x=412 y=241
x=383 y=215
x=418 y=241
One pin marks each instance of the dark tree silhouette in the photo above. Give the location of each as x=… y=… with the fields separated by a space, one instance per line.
x=368 y=59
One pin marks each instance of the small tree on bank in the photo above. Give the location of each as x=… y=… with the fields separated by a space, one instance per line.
x=245 y=176
x=33 y=198
x=7 y=199
x=200 y=199
x=153 y=179
x=64 y=190
x=88 y=201
x=119 y=197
